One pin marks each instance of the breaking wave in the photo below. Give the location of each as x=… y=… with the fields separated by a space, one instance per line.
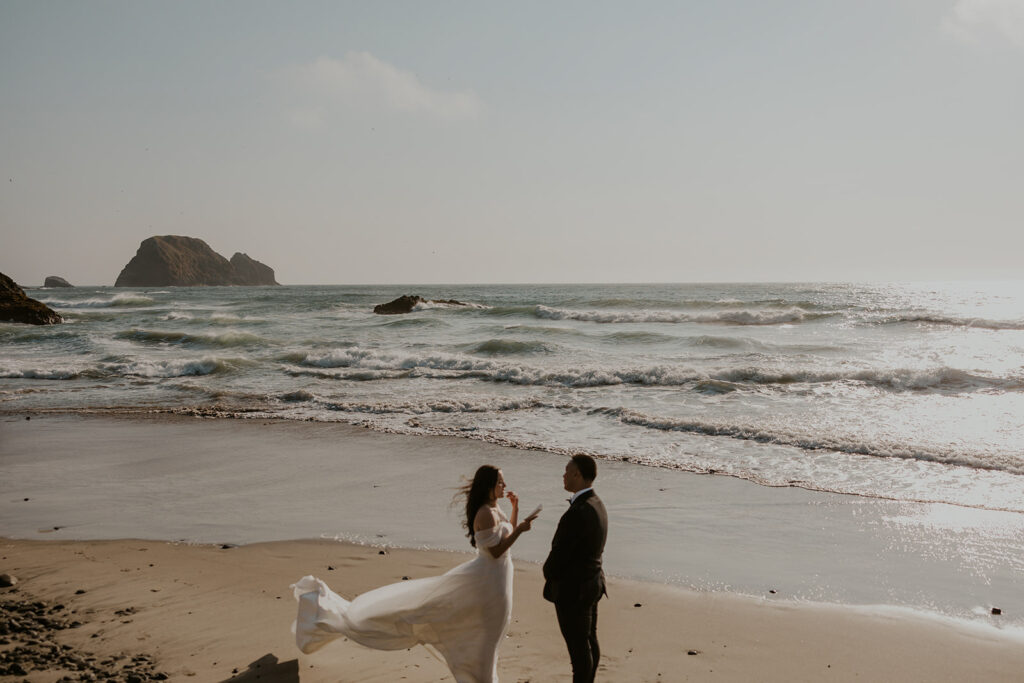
x=51 y=373
x=125 y=300
x=440 y=406
x=952 y=321
x=464 y=306
x=128 y=368
x=171 y=368
x=731 y=317
x=939 y=453
x=898 y=379
x=365 y=364
x=222 y=340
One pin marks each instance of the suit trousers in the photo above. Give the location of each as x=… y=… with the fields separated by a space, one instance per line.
x=578 y=623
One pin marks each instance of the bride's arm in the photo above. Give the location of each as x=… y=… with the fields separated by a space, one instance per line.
x=486 y=519
x=514 y=499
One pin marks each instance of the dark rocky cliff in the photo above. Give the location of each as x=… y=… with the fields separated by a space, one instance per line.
x=16 y=307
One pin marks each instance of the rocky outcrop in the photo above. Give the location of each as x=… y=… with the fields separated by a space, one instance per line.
x=54 y=281
x=16 y=307
x=252 y=271
x=177 y=261
x=31 y=630
x=406 y=303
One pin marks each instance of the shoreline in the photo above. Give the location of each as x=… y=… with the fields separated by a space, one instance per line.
x=180 y=608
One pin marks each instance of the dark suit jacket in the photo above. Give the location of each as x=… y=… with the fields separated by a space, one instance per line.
x=572 y=572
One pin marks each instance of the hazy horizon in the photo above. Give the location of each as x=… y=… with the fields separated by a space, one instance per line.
x=1014 y=281
x=580 y=142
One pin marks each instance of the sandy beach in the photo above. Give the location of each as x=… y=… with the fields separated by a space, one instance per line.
x=207 y=596
x=208 y=613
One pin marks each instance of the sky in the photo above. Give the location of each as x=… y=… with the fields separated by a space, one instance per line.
x=548 y=142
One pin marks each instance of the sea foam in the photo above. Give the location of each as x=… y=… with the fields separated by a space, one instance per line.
x=124 y=300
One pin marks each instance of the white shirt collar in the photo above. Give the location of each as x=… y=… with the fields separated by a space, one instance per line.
x=579 y=493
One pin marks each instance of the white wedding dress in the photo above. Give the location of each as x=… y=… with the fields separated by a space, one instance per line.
x=464 y=614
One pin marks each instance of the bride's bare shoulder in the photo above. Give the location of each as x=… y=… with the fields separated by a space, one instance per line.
x=486 y=518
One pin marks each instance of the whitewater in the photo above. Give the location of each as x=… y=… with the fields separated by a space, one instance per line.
x=898 y=391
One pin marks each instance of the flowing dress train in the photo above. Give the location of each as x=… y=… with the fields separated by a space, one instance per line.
x=464 y=614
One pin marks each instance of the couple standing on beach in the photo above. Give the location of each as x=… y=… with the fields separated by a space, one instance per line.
x=465 y=613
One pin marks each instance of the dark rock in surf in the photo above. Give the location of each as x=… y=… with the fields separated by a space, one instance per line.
x=402 y=304
x=406 y=303
x=16 y=307
x=55 y=281
x=178 y=261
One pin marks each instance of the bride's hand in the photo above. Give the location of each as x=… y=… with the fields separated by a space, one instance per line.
x=513 y=498
x=525 y=525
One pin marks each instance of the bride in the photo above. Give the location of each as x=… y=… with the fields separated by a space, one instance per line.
x=464 y=614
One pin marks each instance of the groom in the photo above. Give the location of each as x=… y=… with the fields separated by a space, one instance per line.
x=573 y=578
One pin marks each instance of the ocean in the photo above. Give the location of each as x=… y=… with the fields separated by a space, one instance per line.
x=906 y=392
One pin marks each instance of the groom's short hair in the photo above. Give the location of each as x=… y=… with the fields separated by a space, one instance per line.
x=586 y=465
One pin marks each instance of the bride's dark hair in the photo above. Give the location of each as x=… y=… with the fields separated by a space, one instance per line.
x=477 y=493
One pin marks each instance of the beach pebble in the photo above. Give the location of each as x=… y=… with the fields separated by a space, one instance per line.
x=637 y=605
x=7 y=580
x=693 y=652
x=996 y=611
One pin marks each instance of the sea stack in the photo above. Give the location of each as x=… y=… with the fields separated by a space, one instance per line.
x=251 y=271
x=16 y=307
x=55 y=281
x=178 y=261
